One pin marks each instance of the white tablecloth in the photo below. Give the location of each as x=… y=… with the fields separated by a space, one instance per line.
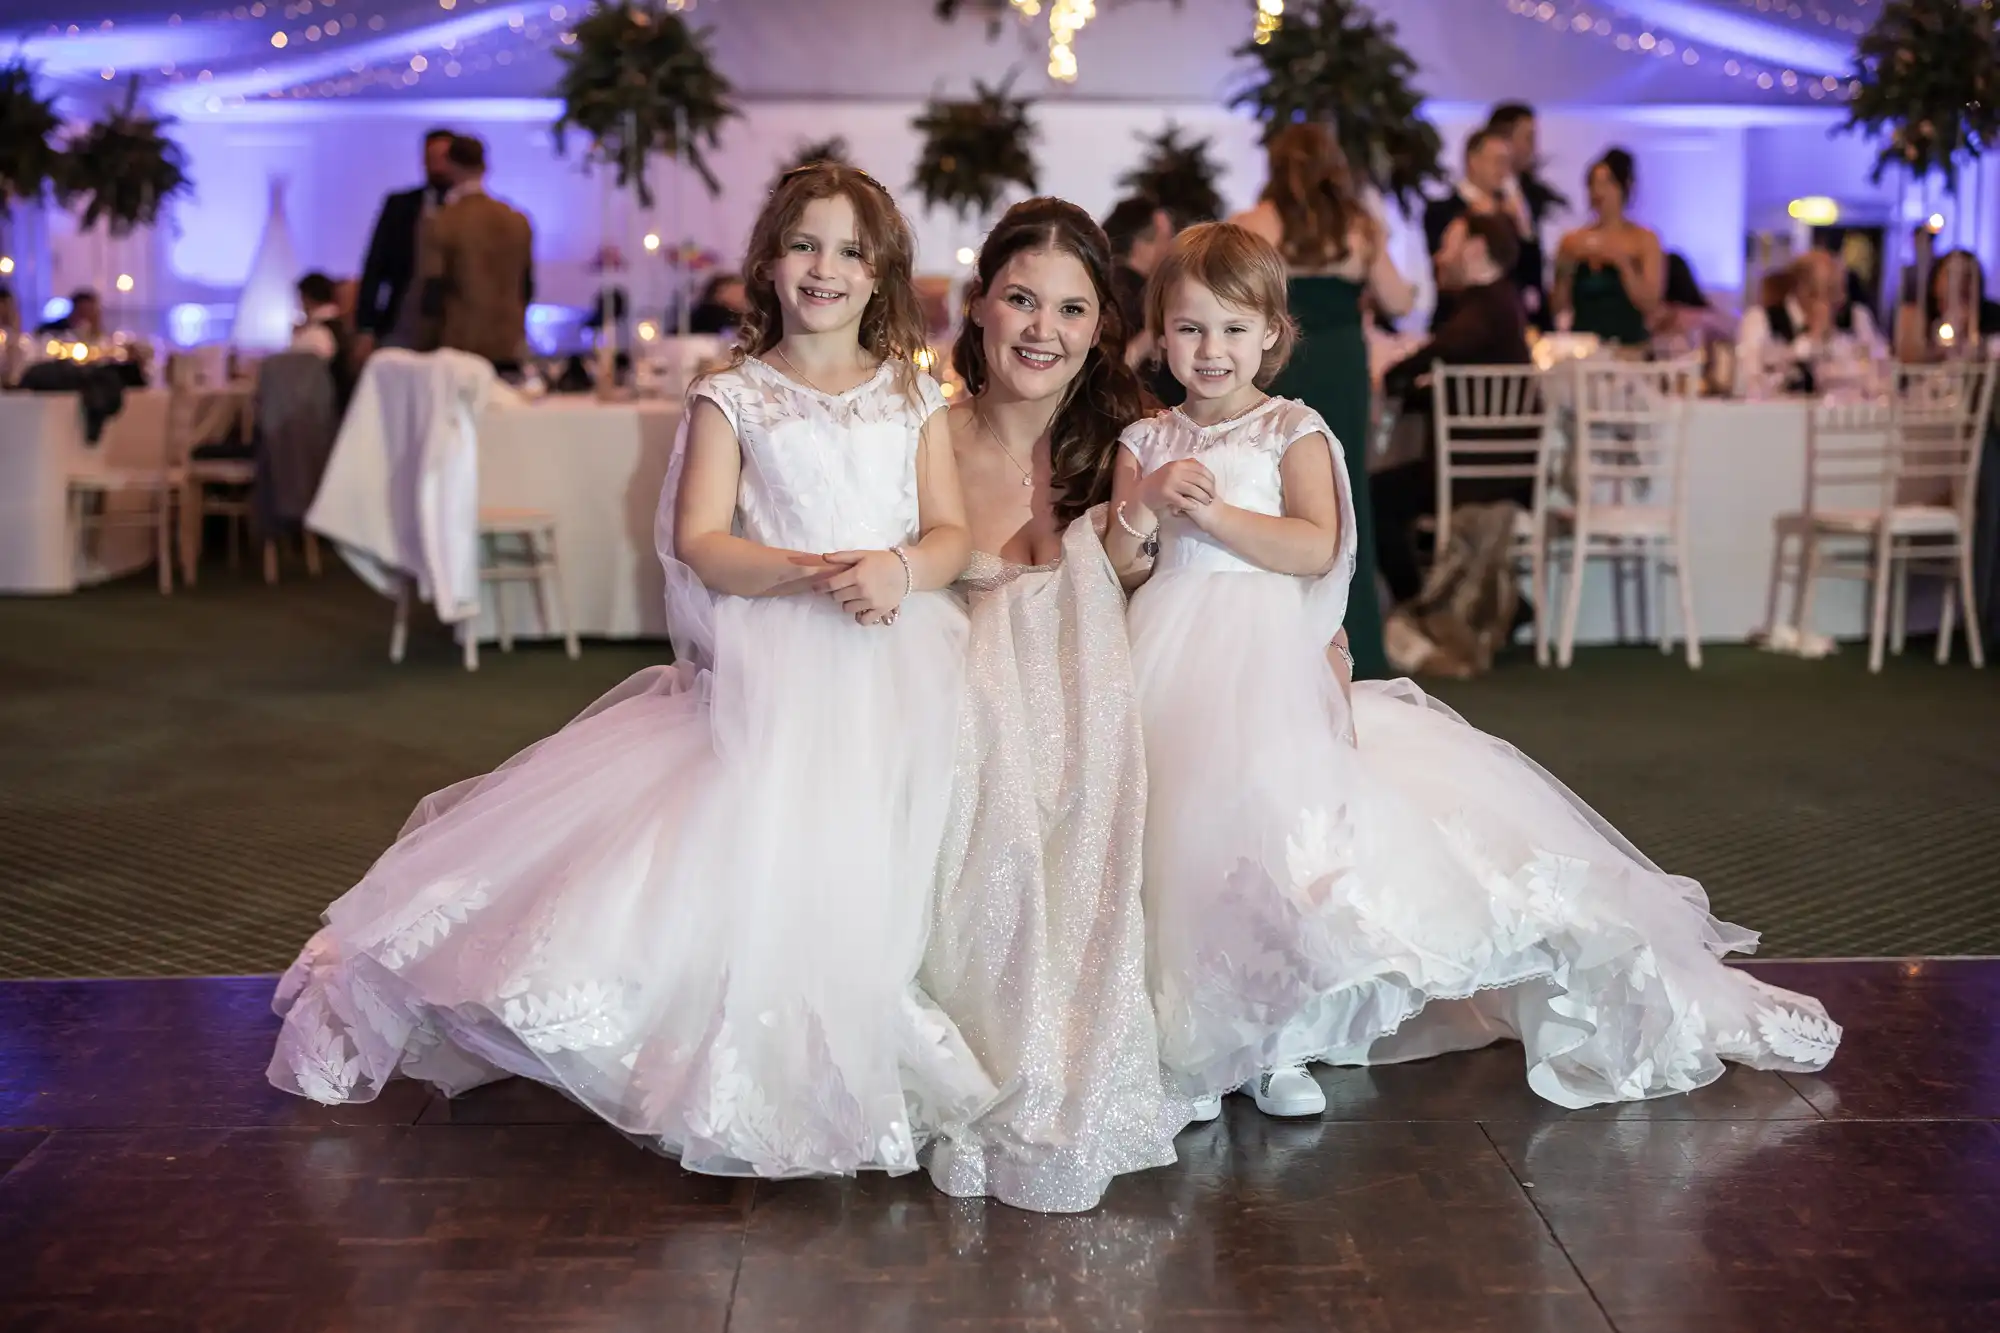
x=598 y=467
x=42 y=446
x=1746 y=465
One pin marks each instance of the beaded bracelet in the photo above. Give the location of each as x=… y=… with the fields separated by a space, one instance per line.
x=909 y=574
x=1149 y=542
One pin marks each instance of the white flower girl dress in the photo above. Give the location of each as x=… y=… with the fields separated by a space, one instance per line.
x=1428 y=889
x=699 y=909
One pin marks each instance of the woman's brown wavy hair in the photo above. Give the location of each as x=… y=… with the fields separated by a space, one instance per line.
x=1104 y=397
x=892 y=323
x=1310 y=185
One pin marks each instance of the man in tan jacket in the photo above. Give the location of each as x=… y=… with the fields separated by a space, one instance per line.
x=475 y=267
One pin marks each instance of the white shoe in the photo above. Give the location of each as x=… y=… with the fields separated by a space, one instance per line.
x=1204 y=1110
x=1287 y=1091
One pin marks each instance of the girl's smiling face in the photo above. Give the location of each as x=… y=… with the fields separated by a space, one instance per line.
x=1213 y=348
x=823 y=281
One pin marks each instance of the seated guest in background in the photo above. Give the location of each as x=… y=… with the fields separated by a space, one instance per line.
x=721 y=306
x=1611 y=272
x=1685 y=313
x=1954 y=298
x=1803 y=313
x=1141 y=232
x=476 y=266
x=1486 y=328
x=1515 y=123
x=1489 y=168
x=320 y=332
x=84 y=323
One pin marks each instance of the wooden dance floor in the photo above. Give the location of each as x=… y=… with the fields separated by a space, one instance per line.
x=153 y=1181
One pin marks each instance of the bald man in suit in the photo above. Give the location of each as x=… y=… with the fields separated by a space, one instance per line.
x=476 y=266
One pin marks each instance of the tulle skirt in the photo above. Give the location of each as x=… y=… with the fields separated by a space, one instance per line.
x=698 y=909
x=1387 y=883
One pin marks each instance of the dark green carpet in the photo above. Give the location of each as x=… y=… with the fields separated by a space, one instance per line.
x=185 y=782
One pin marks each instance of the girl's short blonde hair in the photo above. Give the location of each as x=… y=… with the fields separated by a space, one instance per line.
x=1242 y=269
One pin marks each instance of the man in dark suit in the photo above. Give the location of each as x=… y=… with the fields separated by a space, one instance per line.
x=1515 y=123
x=382 y=315
x=1486 y=328
x=1489 y=166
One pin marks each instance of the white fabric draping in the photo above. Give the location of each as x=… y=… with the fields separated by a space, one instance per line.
x=401 y=491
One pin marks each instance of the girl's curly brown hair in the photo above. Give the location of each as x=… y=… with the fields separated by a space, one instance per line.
x=892 y=323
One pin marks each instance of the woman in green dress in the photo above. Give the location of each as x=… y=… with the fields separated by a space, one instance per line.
x=1338 y=255
x=1610 y=274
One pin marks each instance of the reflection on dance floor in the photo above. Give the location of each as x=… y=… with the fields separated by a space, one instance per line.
x=154 y=1179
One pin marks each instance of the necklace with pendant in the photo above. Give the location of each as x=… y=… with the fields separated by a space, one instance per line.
x=1027 y=476
x=1233 y=416
x=798 y=374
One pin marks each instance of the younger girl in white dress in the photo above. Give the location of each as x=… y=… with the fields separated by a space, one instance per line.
x=700 y=908
x=1428 y=889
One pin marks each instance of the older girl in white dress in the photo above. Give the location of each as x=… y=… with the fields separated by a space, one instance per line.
x=1427 y=889
x=700 y=908
x=1038 y=951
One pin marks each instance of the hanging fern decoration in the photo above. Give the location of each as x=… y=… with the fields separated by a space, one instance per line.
x=1334 y=62
x=123 y=168
x=29 y=159
x=639 y=82
x=995 y=12
x=816 y=150
x=1929 y=73
x=1179 y=177
x=973 y=150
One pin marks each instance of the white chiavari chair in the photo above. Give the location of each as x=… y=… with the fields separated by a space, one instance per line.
x=1847 y=468
x=1909 y=510
x=1627 y=477
x=97 y=501
x=1490 y=424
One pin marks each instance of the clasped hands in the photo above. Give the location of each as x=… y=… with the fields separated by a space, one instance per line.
x=868 y=585
x=1183 y=487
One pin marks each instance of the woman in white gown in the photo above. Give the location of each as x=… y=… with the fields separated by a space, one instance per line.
x=700 y=908
x=1038 y=949
x=1428 y=889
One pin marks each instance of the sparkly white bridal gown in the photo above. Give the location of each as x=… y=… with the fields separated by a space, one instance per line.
x=1038 y=949
x=1430 y=889
x=699 y=909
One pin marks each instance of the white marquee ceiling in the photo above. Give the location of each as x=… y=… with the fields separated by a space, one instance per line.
x=1553 y=52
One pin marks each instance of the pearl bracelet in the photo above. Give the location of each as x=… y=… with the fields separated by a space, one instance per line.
x=909 y=574
x=1149 y=542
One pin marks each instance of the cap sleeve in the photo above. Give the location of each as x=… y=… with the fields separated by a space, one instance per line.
x=930 y=393
x=721 y=388
x=1136 y=437
x=1301 y=421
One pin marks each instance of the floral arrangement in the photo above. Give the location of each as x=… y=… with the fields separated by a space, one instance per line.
x=1334 y=62
x=123 y=168
x=973 y=150
x=690 y=258
x=832 y=149
x=1928 y=72
x=29 y=159
x=1179 y=177
x=639 y=82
